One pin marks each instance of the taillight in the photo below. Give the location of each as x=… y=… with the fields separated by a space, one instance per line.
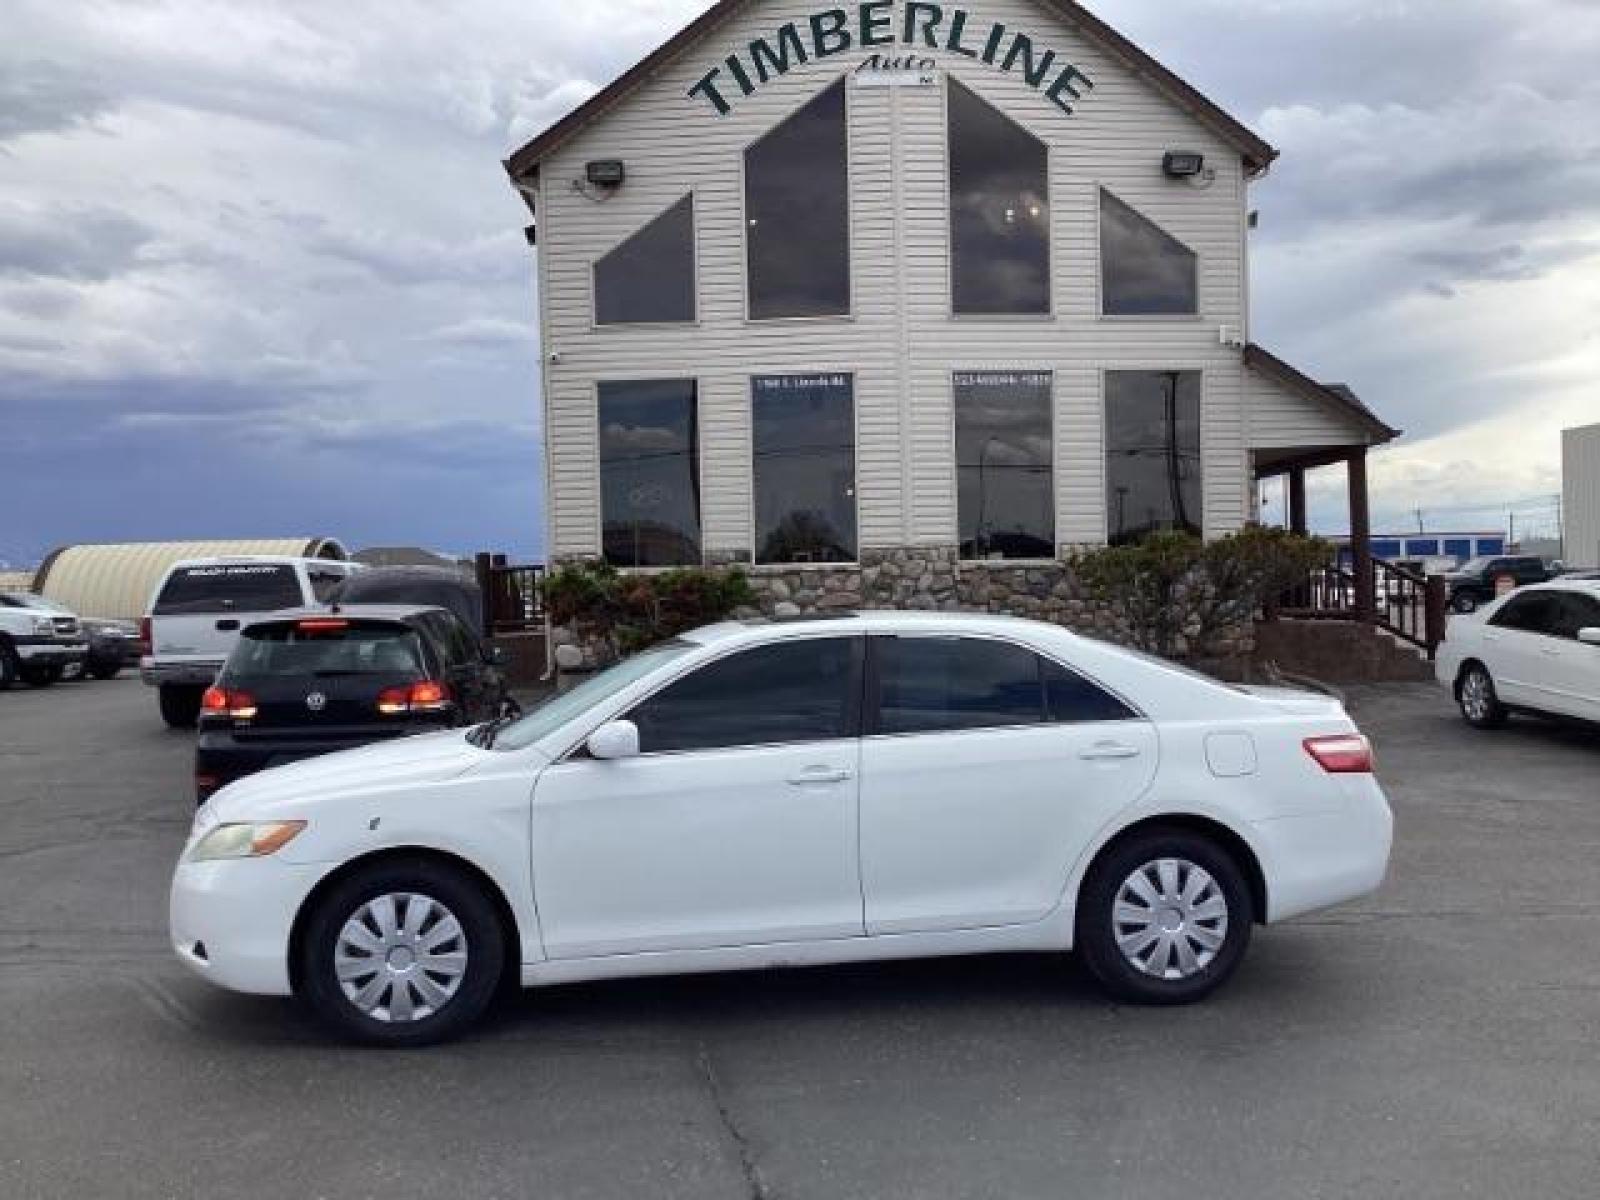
x=227 y=702
x=1346 y=754
x=422 y=697
x=322 y=625
x=146 y=634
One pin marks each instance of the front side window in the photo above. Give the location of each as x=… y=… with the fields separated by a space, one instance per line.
x=649 y=473
x=804 y=441
x=650 y=277
x=999 y=211
x=1153 y=479
x=797 y=214
x=1004 y=461
x=1533 y=612
x=801 y=691
x=930 y=685
x=1144 y=270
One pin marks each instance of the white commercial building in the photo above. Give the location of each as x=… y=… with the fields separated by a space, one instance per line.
x=823 y=288
x=1580 y=505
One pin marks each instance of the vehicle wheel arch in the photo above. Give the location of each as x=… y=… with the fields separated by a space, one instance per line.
x=1229 y=840
x=1461 y=673
x=510 y=932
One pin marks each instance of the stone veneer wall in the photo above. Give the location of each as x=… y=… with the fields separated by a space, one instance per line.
x=929 y=578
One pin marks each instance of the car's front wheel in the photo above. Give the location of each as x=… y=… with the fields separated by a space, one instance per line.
x=1480 y=702
x=1164 y=918
x=402 y=953
x=42 y=677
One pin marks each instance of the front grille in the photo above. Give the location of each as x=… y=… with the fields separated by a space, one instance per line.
x=66 y=627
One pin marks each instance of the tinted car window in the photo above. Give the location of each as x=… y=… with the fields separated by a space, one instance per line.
x=1577 y=614
x=239 y=587
x=324 y=584
x=931 y=684
x=1533 y=612
x=1070 y=699
x=792 y=692
x=285 y=650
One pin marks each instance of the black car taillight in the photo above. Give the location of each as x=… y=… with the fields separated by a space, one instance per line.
x=425 y=696
x=228 y=702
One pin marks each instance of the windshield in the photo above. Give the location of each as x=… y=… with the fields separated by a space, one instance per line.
x=23 y=600
x=556 y=712
x=273 y=651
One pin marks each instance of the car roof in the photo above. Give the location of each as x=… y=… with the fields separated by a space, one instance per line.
x=884 y=621
x=353 y=612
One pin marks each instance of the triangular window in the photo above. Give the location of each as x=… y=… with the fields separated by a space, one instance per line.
x=649 y=279
x=1144 y=270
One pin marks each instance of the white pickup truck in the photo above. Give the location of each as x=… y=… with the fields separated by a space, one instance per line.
x=38 y=640
x=200 y=606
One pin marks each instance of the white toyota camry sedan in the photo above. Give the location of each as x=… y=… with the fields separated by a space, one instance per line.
x=757 y=795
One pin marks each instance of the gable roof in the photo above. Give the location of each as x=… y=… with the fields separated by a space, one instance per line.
x=1335 y=395
x=1256 y=152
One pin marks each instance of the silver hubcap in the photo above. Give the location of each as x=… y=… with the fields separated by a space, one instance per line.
x=401 y=957
x=1170 y=919
x=1475 y=696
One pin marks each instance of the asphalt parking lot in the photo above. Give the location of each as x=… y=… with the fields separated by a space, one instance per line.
x=1438 y=1040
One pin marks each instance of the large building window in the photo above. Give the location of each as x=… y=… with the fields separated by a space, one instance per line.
x=1004 y=460
x=999 y=211
x=1152 y=453
x=650 y=473
x=1144 y=270
x=650 y=277
x=797 y=214
x=805 y=468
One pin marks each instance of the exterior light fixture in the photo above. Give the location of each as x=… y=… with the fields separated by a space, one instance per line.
x=605 y=172
x=1182 y=164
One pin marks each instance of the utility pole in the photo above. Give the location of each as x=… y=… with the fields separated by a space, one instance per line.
x=1511 y=542
x=1421 y=528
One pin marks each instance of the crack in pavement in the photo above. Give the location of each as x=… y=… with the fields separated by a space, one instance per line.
x=754 y=1183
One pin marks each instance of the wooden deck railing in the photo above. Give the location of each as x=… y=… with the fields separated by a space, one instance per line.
x=1406 y=605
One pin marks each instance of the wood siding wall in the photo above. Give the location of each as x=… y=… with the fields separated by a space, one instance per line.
x=901 y=342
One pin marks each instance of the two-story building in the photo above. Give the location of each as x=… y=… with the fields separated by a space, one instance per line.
x=897 y=301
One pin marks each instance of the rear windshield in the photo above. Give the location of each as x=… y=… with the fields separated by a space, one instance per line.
x=285 y=650
x=240 y=587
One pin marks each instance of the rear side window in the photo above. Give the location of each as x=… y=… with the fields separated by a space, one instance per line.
x=239 y=587
x=273 y=651
x=801 y=691
x=1531 y=612
x=931 y=685
x=1577 y=614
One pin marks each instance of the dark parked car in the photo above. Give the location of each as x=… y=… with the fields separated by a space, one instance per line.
x=434 y=586
x=310 y=682
x=113 y=646
x=1477 y=582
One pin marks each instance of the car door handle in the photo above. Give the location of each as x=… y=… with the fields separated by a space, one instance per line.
x=815 y=775
x=1108 y=752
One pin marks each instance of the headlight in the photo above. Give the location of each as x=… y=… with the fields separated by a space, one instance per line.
x=247 y=840
x=44 y=626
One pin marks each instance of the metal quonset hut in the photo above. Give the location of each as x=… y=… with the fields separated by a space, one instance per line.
x=112 y=582
x=902 y=302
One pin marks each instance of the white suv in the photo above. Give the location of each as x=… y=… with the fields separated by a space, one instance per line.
x=199 y=608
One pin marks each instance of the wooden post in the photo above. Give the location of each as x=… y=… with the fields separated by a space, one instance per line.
x=1297 y=500
x=1437 y=614
x=1361 y=538
x=483 y=567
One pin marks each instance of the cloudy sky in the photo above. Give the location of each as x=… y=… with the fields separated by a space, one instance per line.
x=260 y=271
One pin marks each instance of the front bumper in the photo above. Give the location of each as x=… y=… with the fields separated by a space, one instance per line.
x=199 y=673
x=48 y=652
x=230 y=921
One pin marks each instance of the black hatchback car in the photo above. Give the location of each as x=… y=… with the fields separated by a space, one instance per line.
x=310 y=682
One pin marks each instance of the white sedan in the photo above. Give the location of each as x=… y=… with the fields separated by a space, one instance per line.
x=1536 y=650
x=759 y=795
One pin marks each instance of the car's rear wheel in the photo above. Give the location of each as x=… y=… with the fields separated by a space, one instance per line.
x=106 y=670
x=180 y=704
x=1480 y=702
x=1164 y=918
x=404 y=953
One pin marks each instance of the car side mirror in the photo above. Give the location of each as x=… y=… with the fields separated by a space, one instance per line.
x=615 y=740
x=1589 y=637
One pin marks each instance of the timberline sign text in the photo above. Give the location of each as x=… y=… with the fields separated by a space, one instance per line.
x=878 y=23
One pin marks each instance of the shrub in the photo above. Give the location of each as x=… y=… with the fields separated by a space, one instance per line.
x=633 y=611
x=1181 y=596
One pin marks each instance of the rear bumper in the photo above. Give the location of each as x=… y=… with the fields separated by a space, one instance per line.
x=198 y=673
x=230 y=921
x=1318 y=860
